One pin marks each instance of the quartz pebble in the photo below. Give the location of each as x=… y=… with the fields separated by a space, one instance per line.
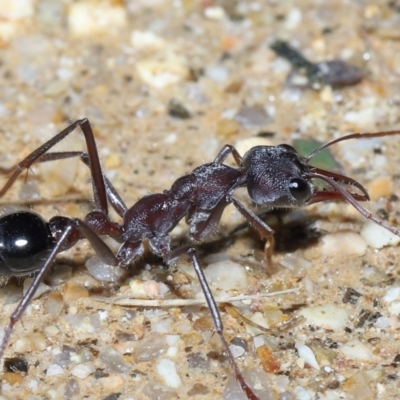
x=90 y=18
x=343 y=243
x=377 y=237
x=356 y=350
x=82 y=371
x=54 y=369
x=166 y=368
x=307 y=354
x=328 y=316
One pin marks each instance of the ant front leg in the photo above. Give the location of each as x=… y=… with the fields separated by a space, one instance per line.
x=265 y=232
x=99 y=189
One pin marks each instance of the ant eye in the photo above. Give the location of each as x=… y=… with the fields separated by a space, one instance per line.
x=300 y=189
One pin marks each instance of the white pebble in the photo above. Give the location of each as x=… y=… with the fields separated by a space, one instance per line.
x=103 y=272
x=301 y=393
x=172 y=351
x=217 y=73
x=377 y=237
x=392 y=294
x=54 y=369
x=227 y=275
x=382 y=322
x=173 y=340
x=293 y=18
x=33 y=384
x=328 y=315
x=82 y=371
x=87 y=18
x=343 y=243
x=166 y=368
x=307 y=355
x=394 y=308
x=237 y=351
x=356 y=350
x=216 y=13
x=147 y=40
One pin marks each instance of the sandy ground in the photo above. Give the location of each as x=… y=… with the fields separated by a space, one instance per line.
x=165 y=84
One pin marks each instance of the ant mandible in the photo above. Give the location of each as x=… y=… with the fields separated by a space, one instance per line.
x=275 y=176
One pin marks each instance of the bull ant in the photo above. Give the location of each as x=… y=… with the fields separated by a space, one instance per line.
x=275 y=176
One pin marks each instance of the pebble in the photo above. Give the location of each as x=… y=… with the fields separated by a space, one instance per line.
x=103 y=272
x=82 y=371
x=328 y=316
x=54 y=369
x=166 y=368
x=74 y=291
x=377 y=237
x=227 y=275
x=112 y=382
x=88 y=17
x=343 y=243
x=392 y=294
x=356 y=350
x=380 y=187
x=147 y=40
x=307 y=354
x=162 y=72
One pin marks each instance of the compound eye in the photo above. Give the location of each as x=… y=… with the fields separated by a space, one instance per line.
x=300 y=189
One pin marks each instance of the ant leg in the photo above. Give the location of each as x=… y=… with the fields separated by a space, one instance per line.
x=224 y=153
x=265 y=232
x=99 y=190
x=112 y=195
x=203 y=223
x=218 y=326
x=73 y=225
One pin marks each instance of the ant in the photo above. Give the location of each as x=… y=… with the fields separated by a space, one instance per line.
x=275 y=176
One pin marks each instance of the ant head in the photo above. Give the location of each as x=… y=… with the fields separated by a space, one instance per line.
x=277 y=176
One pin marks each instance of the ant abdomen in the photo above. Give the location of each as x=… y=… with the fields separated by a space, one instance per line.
x=25 y=242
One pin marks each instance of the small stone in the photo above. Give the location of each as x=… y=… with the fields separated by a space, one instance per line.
x=166 y=368
x=112 y=161
x=329 y=316
x=377 y=236
x=343 y=243
x=268 y=361
x=112 y=382
x=307 y=355
x=82 y=371
x=147 y=40
x=252 y=117
x=380 y=187
x=356 y=350
x=53 y=304
x=227 y=127
x=73 y=291
x=89 y=18
x=54 y=370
